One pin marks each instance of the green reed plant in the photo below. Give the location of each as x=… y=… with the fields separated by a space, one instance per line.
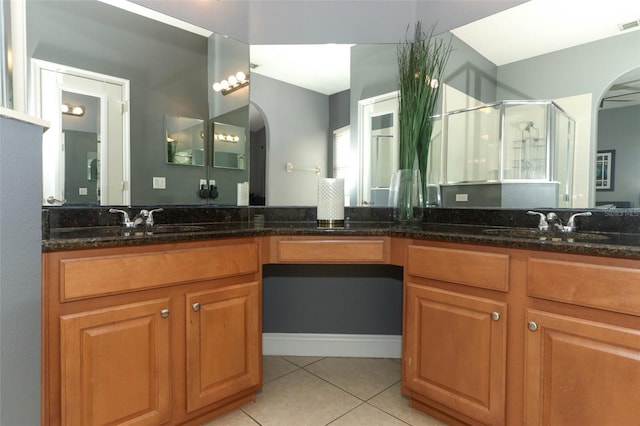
x=421 y=64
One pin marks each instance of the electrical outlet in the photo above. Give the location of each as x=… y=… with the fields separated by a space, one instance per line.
x=203 y=183
x=212 y=182
x=82 y=191
x=159 y=183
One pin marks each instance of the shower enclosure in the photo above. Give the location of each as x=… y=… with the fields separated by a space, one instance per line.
x=516 y=154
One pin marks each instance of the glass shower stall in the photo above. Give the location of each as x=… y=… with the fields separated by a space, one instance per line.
x=514 y=154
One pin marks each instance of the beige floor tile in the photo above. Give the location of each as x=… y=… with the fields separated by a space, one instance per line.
x=234 y=418
x=299 y=399
x=367 y=415
x=362 y=377
x=391 y=401
x=274 y=367
x=302 y=361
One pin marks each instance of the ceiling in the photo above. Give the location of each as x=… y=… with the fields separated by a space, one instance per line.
x=532 y=30
x=567 y=26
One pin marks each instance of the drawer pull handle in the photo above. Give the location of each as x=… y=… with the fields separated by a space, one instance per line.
x=164 y=313
x=195 y=307
x=495 y=316
x=533 y=326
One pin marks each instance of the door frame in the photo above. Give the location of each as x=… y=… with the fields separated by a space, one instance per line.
x=364 y=135
x=55 y=129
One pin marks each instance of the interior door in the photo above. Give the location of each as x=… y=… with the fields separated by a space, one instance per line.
x=378 y=139
x=52 y=81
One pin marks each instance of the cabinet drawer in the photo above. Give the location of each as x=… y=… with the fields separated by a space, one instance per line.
x=100 y=275
x=611 y=288
x=332 y=250
x=474 y=268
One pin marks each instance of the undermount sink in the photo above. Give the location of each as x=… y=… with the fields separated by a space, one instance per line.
x=544 y=235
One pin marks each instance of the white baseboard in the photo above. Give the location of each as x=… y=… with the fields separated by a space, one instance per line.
x=345 y=345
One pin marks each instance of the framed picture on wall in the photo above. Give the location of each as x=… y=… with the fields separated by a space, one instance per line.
x=605 y=170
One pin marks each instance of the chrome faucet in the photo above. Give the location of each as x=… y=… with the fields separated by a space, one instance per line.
x=149 y=216
x=553 y=220
x=126 y=221
x=543 y=225
x=571 y=225
x=145 y=217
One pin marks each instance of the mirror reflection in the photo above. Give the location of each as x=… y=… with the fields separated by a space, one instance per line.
x=165 y=70
x=81 y=136
x=229 y=146
x=181 y=66
x=566 y=77
x=184 y=137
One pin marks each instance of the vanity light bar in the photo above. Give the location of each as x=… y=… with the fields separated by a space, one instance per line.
x=226 y=137
x=232 y=83
x=76 y=111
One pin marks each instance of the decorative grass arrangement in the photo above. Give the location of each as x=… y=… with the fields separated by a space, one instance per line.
x=421 y=63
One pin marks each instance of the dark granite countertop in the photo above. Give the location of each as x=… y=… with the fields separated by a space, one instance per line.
x=503 y=229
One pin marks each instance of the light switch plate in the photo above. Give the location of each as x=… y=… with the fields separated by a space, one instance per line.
x=82 y=191
x=159 y=183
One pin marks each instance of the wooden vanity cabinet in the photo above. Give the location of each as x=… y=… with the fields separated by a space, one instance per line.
x=151 y=335
x=455 y=332
x=582 y=362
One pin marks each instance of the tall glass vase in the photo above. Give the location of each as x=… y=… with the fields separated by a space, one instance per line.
x=405 y=196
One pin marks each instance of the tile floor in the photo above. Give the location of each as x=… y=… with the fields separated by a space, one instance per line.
x=316 y=391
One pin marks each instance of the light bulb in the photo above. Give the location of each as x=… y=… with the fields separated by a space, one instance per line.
x=232 y=80
x=77 y=110
x=241 y=76
x=64 y=108
x=217 y=86
x=224 y=84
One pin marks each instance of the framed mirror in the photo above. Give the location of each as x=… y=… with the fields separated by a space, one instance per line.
x=184 y=137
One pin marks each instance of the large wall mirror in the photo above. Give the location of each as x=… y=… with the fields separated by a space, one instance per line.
x=181 y=66
x=167 y=73
x=593 y=92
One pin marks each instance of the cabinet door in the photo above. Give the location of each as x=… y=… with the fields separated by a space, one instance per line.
x=455 y=351
x=115 y=367
x=223 y=343
x=580 y=372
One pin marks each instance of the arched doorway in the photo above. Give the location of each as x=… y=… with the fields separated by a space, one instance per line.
x=257 y=156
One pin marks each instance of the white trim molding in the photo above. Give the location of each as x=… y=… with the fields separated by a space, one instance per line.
x=343 y=345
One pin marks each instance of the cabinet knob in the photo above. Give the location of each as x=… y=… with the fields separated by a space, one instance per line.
x=532 y=325
x=495 y=316
x=195 y=307
x=164 y=313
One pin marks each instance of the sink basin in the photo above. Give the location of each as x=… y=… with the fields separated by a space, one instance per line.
x=545 y=236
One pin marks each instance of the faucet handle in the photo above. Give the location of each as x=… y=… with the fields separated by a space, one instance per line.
x=150 y=221
x=571 y=225
x=542 y=225
x=126 y=222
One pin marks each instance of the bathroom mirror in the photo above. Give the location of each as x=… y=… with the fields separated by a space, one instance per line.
x=184 y=137
x=566 y=73
x=168 y=72
x=229 y=146
x=567 y=76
